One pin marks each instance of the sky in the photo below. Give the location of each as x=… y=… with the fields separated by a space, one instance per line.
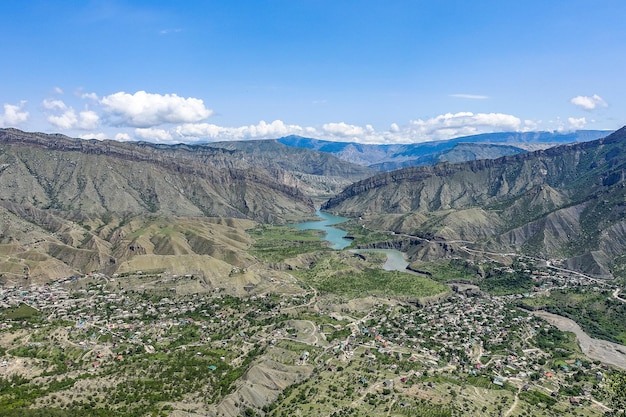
x=369 y=71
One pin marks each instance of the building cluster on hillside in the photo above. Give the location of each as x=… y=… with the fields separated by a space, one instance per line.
x=477 y=335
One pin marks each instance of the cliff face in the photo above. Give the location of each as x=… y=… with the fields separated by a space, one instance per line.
x=98 y=178
x=318 y=174
x=484 y=182
x=562 y=202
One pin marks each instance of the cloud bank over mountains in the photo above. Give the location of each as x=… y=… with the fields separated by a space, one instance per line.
x=170 y=118
x=144 y=110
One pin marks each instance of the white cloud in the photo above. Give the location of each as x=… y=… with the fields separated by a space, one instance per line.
x=13 y=115
x=58 y=90
x=90 y=96
x=68 y=119
x=153 y=135
x=449 y=125
x=88 y=120
x=343 y=129
x=530 y=125
x=262 y=130
x=148 y=110
x=444 y=126
x=54 y=104
x=171 y=118
x=589 y=102
x=470 y=96
x=168 y=31
x=268 y=130
x=122 y=137
x=577 y=123
x=198 y=131
x=99 y=136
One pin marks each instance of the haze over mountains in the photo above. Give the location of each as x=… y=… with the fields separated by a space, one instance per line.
x=466 y=148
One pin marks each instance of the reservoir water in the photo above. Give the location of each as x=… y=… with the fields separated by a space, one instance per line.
x=337 y=239
x=395 y=259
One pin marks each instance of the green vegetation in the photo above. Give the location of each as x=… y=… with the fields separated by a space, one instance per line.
x=424 y=409
x=562 y=344
x=492 y=277
x=362 y=235
x=536 y=398
x=600 y=315
x=170 y=349
x=339 y=334
x=616 y=387
x=500 y=280
x=332 y=276
x=277 y=243
x=21 y=312
x=481 y=382
x=55 y=412
x=449 y=270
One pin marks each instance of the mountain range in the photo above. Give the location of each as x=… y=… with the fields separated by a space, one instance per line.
x=390 y=157
x=70 y=206
x=567 y=203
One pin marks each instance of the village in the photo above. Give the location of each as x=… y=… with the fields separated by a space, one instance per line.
x=386 y=352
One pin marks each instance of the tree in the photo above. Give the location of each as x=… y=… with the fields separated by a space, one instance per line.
x=616 y=386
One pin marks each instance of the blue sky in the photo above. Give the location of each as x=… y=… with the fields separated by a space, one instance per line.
x=367 y=71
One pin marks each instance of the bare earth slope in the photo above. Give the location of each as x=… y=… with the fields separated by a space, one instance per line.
x=565 y=202
x=73 y=206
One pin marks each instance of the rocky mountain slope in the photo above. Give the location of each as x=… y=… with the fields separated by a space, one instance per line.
x=100 y=178
x=567 y=202
x=320 y=174
x=485 y=146
x=72 y=206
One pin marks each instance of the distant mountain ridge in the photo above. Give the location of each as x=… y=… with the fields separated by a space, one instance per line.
x=566 y=202
x=321 y=174
x=388 y=157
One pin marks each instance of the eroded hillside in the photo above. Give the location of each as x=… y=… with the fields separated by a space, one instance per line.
x=565 y=202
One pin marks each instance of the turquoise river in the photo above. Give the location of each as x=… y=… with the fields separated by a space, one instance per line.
x=337 y=239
